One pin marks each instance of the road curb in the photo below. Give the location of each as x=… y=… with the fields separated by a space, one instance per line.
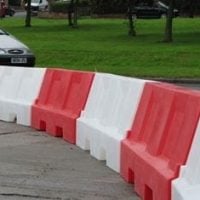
x=175 y=80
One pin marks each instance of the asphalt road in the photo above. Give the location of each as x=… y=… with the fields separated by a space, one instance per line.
x=34 y=165
x=193 y=86
x=20 y=14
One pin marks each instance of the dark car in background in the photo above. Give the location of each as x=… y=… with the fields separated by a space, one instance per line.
x=156 y=11
x=9 y=11
x=13 y=52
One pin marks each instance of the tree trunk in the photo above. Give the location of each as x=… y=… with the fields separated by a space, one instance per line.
x=169 y=22
x=70 y=19
x=70 y=12
x=50 y=3
x=28 y=14
x=131 y=31
x=192 y=8
x=75 y=19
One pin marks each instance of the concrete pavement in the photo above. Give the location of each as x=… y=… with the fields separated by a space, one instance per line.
x=34 y=165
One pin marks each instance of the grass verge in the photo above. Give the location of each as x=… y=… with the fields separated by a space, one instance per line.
x=103 y=45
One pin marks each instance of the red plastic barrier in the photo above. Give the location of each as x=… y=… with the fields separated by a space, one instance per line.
x=62 y=97
x=160 y=139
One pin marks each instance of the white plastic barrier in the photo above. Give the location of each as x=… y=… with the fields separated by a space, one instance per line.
x=187 y=186
x=19 y=87
x=108 y=114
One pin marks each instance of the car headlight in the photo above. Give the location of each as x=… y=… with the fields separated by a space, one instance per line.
x=26 y=50
x=2 y=51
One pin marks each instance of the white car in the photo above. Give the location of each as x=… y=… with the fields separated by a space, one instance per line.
x=38 y=5
x=14 y=52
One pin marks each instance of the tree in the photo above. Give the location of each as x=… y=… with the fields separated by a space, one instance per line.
x=132 y=31
x=75 y=20
x=70 y=12
x=28 y=14
x=169 y=22
x=73 y=13
x=192 y=8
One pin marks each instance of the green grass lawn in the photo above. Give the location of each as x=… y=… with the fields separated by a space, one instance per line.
x=103 y=45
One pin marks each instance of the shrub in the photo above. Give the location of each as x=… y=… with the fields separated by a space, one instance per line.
x=97 y=6
x=64 y=6
x=14 y=2
x=109 y=7
x=59 y=7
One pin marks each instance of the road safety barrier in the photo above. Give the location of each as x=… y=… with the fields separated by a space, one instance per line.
x=146 y=130
x=160 y=139
x=187 y=186
x=109 y=112
x=62 y=98
x=18 y=89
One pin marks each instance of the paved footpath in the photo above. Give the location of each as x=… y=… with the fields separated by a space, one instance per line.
x=34 y=165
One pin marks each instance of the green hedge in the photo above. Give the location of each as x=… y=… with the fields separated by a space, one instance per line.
x=14 y=2
x=64 y=6
x=109 y=7
x=97 y=7
x=59 y=7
